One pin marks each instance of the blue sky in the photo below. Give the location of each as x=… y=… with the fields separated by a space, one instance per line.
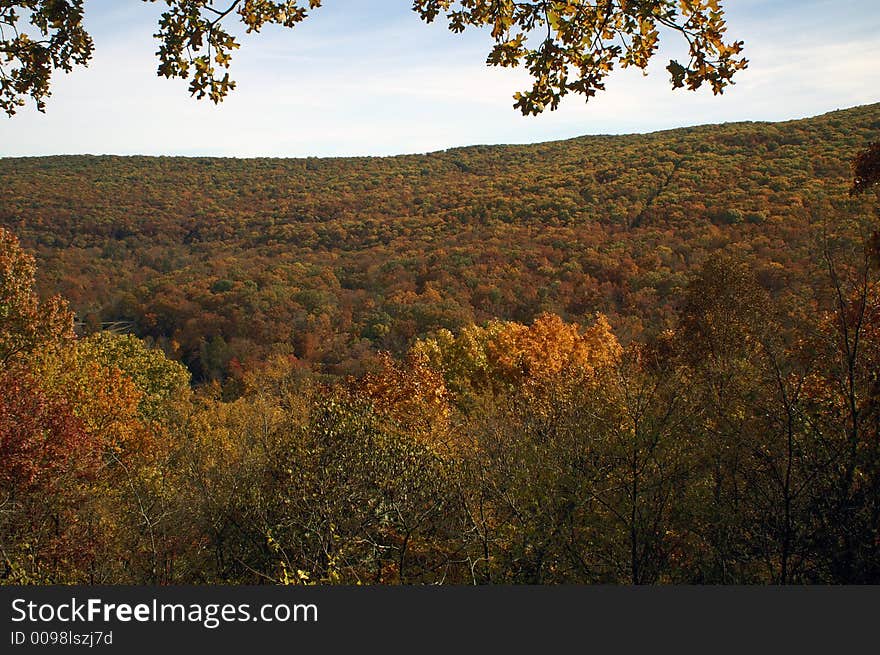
x=367 y=77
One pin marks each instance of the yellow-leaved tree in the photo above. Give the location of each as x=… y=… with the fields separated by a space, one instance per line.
x=567 y=46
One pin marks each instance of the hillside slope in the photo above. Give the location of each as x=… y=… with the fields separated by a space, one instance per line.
x=332 y=259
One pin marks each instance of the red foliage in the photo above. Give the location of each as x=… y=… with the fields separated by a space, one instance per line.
x=42 y=442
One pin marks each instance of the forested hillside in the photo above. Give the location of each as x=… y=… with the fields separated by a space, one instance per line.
x=332 y=259
x=636 y=359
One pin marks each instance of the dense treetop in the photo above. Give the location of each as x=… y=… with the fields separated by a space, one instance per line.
x=642 y=359
x=223 y=259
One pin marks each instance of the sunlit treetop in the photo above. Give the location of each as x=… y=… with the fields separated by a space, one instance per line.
x=26 y=322
x=567 y=46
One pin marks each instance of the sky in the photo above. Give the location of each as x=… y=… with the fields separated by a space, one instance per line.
x=368 y=77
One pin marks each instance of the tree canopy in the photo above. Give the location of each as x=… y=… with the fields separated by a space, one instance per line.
x=866 y=169
x=567 y=46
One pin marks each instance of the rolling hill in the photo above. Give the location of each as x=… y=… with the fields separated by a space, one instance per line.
x=223 y=260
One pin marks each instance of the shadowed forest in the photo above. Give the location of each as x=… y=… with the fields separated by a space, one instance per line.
x=617 y=359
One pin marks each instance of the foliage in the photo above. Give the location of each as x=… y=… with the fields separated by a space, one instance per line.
x=82 y=438
x=866 y=174
x=159 y=379
x=702 y=409
x=540 y=356
x=866 y=169
x=332 y=260
x=47 y=460
x=26 y=324
x=583 y=42
x=28 y=59
x=579 y=43
x=40 y=436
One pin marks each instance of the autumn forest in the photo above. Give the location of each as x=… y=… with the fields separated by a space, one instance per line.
x=613 y=359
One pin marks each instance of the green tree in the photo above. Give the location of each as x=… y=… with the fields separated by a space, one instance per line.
x=568 y=46
x=157 y=377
